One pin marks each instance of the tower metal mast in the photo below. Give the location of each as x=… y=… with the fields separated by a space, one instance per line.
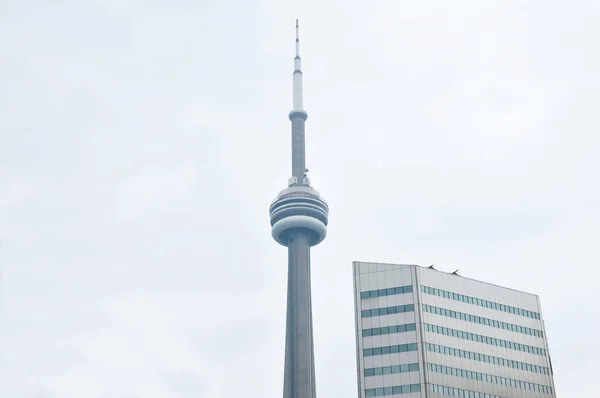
x=299 y=218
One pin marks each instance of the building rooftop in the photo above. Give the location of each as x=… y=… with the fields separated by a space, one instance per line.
x=447 y=273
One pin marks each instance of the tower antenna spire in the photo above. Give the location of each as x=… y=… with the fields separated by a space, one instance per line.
x=297 y=72
x=297 y=39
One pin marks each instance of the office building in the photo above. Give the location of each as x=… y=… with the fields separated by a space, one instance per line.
x=423 y=333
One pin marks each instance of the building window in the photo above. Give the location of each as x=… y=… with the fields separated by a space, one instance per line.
x=408 y=327
x=386 y=292
x=457 y=392
x=487 y=359
x=394 y=349
x=488 y=378
x=481 y=320
x=385 y=370
x=479 y=302
x=398 y=309
x=405 y=389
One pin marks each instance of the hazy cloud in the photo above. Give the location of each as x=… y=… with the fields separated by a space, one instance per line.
x=142 y=142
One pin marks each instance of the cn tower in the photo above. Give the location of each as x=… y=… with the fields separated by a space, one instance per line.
x=299 y=219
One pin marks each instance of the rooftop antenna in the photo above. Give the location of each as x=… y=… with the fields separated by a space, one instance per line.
x=297 y=72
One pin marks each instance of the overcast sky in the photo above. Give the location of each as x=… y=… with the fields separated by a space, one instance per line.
x=141 y=143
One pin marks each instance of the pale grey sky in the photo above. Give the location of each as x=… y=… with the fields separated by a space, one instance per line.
x=142 y=142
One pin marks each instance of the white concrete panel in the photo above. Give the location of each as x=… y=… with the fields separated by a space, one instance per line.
x=413 y=378
x=388 y=278
x=388 y=381
x=396 y=299
x=371 y=267
x=399 y=277
x=478 y=289
x=365 y=268
x=374 y=382
x=412 y=357
x=402 y=379
x=373 y=280
x=364 y=282
x=389 y=340
x=368 y=362
x=394 y=319
x=394 y=339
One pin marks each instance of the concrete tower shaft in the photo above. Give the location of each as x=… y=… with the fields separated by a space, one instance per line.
x=299 y=218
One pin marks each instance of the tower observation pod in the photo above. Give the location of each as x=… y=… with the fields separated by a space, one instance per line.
x=299 y=218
